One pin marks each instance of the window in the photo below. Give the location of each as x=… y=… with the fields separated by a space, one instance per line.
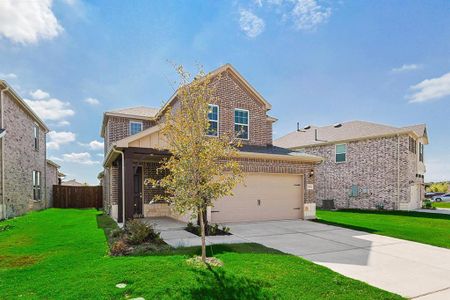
x=241 y=123
x=412 y=145
x=36 y=136
x=421 y=152
x=341 y=153
x=135 y=127
x=213 y=118
x=36 y=185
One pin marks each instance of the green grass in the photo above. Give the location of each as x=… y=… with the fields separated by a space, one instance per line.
x=441 y=204
x=62 y=254
x=428 y=228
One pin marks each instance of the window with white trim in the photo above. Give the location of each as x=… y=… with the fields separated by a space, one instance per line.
x=213 y=119
x=135 y=127
x=241 y=123
x=36 y=185
x=341 y=153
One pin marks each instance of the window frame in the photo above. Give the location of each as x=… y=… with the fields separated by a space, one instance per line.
x=136 y=122
x=241 y=124
x=37 y=185
x=217 y=121
x=36 y=133
x=421 y=148
x=336 y=153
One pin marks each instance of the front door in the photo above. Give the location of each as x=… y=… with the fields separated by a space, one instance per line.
x=137 y=199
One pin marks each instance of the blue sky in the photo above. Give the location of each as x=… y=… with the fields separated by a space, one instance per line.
x=317 y=62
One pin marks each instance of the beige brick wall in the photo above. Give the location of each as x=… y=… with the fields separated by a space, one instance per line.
x=118 y=128
x=372 y=165
x=51 y=180
x=21 y=159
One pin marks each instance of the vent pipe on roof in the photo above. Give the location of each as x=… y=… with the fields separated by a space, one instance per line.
x=315 y=135
x=298 y=126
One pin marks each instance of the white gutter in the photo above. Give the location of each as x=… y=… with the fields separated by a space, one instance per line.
x=3 y=152
x=123 y=182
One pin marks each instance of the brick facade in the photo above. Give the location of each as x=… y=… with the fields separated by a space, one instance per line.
x=383 y=169
x=51 y=180
x=21 y=159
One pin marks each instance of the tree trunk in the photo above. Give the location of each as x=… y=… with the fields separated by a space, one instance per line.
x=202 y=229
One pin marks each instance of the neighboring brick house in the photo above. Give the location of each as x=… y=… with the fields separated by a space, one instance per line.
x=23 y=156
x=366 y=165
x=279 y=184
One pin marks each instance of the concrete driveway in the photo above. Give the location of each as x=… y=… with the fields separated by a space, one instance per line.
x=407 y=268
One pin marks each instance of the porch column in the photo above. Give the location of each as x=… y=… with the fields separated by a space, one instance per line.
x=128 y=172
x=119 y=191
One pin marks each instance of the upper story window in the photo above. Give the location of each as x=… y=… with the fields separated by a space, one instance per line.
x=421 y=152
x=241 y=123
x=412 y=145
x=36 y=137
x=341 y=153
x=213 y=118
x=36 y=185
x=135 y=127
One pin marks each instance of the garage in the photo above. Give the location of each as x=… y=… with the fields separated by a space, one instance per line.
x=262 y=196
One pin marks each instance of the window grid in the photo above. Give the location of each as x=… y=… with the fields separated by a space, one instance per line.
x=36 y=137
x=241 y=123
x=135 y=127
x=213 y=118
x=36 y=185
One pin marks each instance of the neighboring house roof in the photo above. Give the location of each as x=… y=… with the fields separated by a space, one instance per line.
x=138 y=112
x=347 y=131
x=23 y=104
x=52 y=163
x=73 y=182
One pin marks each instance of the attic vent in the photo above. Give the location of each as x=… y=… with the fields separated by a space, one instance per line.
x=337 y=125
x=307 y=127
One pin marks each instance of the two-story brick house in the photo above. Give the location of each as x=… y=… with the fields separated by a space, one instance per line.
x=23 y=164
x=366 y=165
x=279 y=183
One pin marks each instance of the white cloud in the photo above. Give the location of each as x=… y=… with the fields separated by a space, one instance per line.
x=406 y=68
x=308 y=14
x=431 y=89
x=62 y=123
x=79 y=158
x=100 y=154
x=56 y=139
x=92 y=101
x=251 y=24
x=26 y=22
x=93 y=145
x=8 y=76
x=52 y=109
x=39 y=94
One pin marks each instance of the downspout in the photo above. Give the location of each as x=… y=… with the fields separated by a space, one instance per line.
x=398 y=171
x=3 y=152
x=123 y=181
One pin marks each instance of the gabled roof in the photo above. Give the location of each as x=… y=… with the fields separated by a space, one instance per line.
x=229 y=68
x=23 y=104
x=52 y=163
x=150 y=113
x=347 y=131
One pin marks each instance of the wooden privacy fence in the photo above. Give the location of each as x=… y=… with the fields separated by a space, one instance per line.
x=77 y=196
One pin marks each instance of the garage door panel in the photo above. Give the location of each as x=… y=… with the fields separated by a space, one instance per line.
x=279 y=197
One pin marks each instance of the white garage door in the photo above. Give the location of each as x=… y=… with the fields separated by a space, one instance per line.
x=261 y=196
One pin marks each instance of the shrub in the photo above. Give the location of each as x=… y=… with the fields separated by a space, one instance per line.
x=427 y=204
x=226 y=229
x=119 y=248
x=138 y=232
x=116 y=233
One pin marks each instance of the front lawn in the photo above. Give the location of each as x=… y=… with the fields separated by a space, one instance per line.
x=428 y=228
x=441 y=204
x=62 y=254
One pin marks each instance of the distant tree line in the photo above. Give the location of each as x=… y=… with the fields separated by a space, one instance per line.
x=437 y=187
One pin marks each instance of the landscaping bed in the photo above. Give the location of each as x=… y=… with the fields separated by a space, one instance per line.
x=420 y=227
x=210 y=230
x=62 y=253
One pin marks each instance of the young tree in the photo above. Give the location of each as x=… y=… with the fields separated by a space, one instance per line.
x=201 y=168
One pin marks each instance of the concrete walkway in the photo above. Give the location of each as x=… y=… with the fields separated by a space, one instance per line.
x=407 y=268
x=443 y=211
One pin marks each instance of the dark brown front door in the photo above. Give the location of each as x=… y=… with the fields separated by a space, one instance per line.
x=137 y=199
